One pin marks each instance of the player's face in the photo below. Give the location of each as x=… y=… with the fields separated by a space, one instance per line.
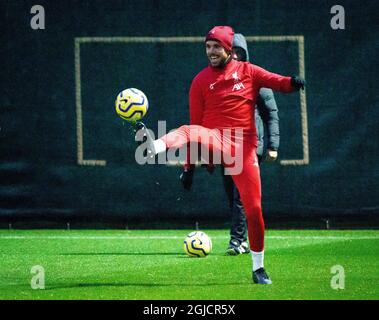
x=216 y=53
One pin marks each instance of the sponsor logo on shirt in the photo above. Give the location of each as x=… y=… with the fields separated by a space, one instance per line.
x=238 y=86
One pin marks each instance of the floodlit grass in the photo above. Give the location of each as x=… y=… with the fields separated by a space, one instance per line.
x=150 y=264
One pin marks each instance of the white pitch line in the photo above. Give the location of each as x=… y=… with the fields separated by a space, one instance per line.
x=178 y=237
x=326 y=237
x=91 y=237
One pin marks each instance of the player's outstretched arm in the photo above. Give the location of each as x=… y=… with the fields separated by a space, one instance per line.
x=277 y=82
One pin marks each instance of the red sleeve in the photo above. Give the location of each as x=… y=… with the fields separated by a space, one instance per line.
x=266 y=79
x=196 y=103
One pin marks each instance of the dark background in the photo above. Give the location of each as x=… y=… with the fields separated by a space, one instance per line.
x=41 y=182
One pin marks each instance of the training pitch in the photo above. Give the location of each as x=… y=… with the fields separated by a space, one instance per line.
x=151 y=264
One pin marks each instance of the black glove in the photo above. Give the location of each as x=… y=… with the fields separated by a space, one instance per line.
x=298 y=83
x=186 y=177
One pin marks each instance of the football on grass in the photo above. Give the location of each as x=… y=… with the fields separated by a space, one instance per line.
x=197 y=244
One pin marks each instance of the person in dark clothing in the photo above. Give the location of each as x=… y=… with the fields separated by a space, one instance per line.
x=266 y=115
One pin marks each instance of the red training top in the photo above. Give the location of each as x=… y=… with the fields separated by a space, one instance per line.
x=223 y=97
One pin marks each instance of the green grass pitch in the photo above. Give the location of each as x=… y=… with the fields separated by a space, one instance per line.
x=151 y=265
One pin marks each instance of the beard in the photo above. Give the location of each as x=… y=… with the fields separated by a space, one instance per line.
x=222 y=61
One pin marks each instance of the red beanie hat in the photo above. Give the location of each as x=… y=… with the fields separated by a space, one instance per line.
x=222 y=34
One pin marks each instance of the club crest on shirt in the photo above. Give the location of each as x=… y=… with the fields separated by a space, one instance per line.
x=235 y=77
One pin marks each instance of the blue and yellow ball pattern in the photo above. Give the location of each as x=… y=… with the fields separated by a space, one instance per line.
x=131 y=104
x=197 y=244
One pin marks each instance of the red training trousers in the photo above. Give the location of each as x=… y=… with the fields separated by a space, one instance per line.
x=247 y=179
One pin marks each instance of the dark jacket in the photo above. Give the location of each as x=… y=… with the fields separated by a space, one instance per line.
x=266 y=111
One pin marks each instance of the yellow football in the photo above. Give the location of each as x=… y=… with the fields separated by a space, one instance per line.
x=131 y=104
